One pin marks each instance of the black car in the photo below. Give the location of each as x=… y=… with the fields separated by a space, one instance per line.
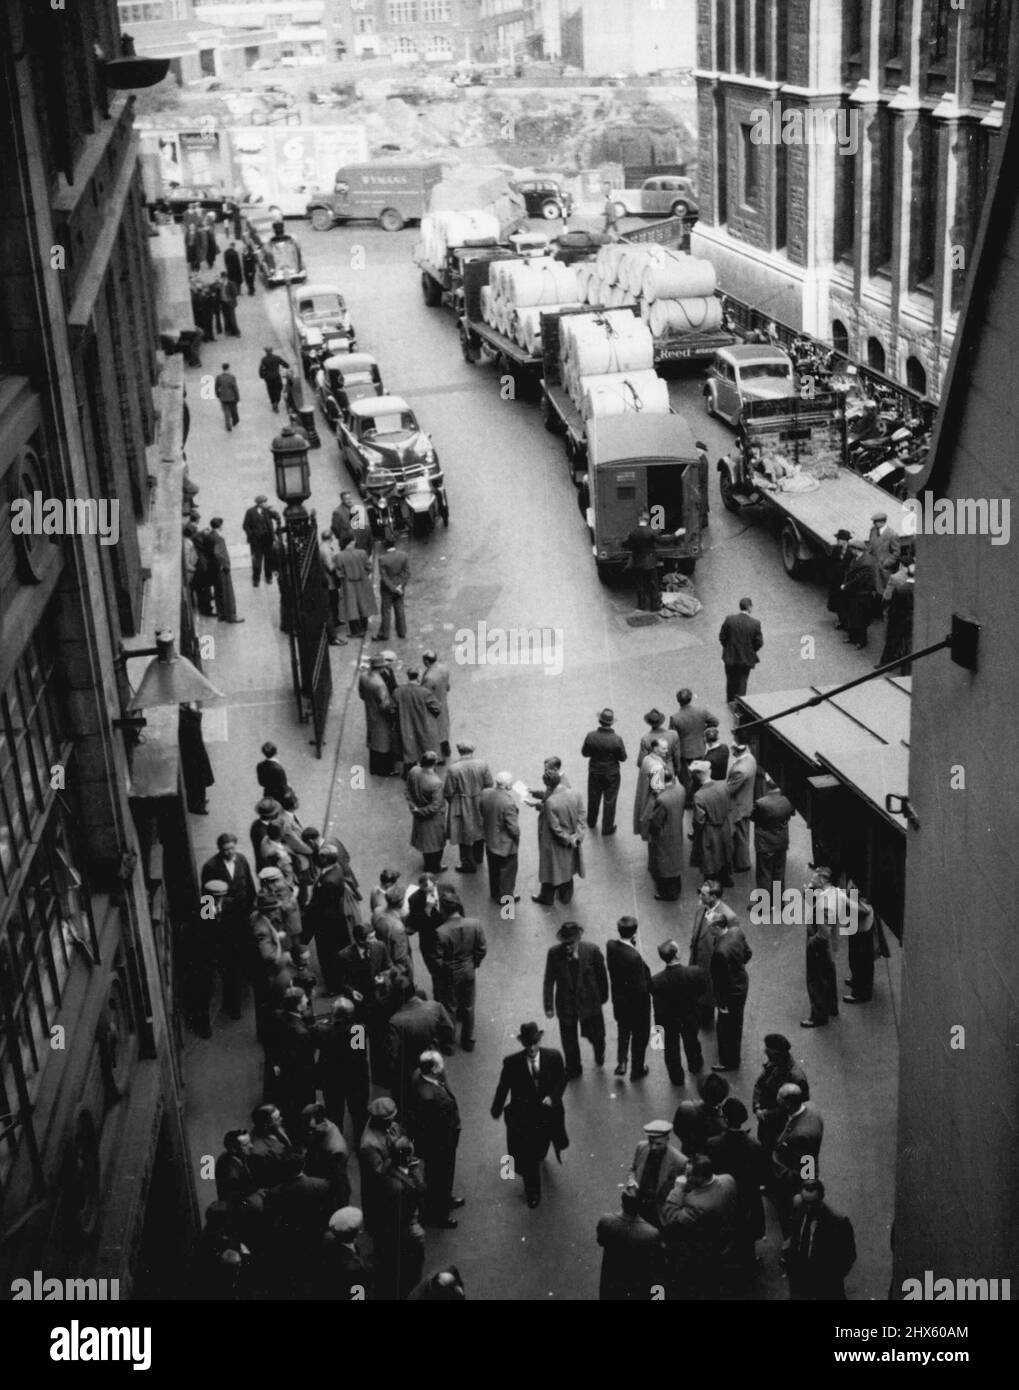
x=543 y=198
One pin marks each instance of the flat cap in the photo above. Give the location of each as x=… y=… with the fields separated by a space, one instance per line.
x=346 y=1222
x=269 y=874
x=384 y=1108
x=658 y=1127
x=216 y=887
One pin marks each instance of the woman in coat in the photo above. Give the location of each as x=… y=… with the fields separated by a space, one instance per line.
x=354 y=570
x=650 y=781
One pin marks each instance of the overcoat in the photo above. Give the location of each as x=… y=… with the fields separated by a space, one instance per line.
x=531 y=1127
x=378 y=707
x=649 y=780
x=665 y=833
x=417 y=712
x=354 y=571
x=561 y=816
x=712 y=846
x=436 y=679
x=466 y=779
x=424 y=797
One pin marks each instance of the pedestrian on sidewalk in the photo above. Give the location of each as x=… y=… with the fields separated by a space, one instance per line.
x=730 y=983
x=358 y=596
x=822 y=944
x=607 y=753
x=797 y=1153
x=650 y=781
x=436 y=679
x=434 y=1120
x=740 y=782
x=394 y=574
x=378 y=711
x=228 y=299
x=210 y=246
x=428 y=809
x=270 y=370
x=666 y=839
x=657 y=732
x=741 y=639
x=676 y=994
x=630 y=980
x=249 y=264
x=232 y=267
x=560 y=838
x=417 y=713
x=226 y=603
x=500 y=819
x=691 y=723
x=342 y=521
x=460 y=948
x=228 y=394
x=196 y=769
x=329 y=554
x=712 y=826
x=259 y=524
x=271 y=775
x=575 y=989
x=771 y=816
x=215 y=299
x=821 y=1249
x=465 y=781
x=533 y=1081
x=716 y=755
x=708 y=920
x=779 y=1068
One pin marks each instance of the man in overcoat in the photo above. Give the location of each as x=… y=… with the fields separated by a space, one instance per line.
x=354 y=570
x=629 y=978
x=666 y=835
x=500 y=819
x=711 y=912
x=712 y=826
x=417 y=715
x=436 y=679
x=378 y=709
x=560 y=837
x=740 y=786
x=576 y=987
x=465 y=781
x=428 y=810
x=530 y=1091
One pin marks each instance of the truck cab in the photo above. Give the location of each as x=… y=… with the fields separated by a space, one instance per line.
x=639 y=462
x=747 y=373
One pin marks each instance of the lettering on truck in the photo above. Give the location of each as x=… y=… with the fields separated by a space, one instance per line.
x=386 y=180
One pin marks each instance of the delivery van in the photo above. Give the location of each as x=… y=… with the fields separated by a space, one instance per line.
x=390 y=194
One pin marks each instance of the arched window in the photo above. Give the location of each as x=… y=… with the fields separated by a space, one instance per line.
x=840 y=337
x=916 y=375
x=875 y=355
x=440 y=46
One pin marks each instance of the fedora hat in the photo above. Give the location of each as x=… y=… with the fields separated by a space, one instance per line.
x=529 y=1034
x=606 y=717
x=570 y=931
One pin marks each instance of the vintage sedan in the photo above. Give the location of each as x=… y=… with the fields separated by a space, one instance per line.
x=543 y=198
x=323 y=324
x=668 y=195
x=381 y=434
x=279 y=257
x=343 y=379
x=747 y=373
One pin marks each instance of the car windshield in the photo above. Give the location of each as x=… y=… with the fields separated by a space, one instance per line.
x=760 y=371
x=321 y=306
x=393 y=423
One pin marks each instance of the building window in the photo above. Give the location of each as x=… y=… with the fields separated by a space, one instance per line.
x=852 y=28
x=741 y=21
x=781 y=197
x=750 y=173
x=782 y=43
x=722 y=35
x=897 y=35
x=992 y=37
x=845 y=206
x=916 y=376
x=402 y=11
x=436 y=11
x=366 y=24
x=882 y=198
x=761 y=38
x=938 y=51
x=405 y=45
x=440 y=46
x=875 y=355
x=924 y=204
x=840 y=337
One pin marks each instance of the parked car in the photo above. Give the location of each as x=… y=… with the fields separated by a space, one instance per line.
x=543 y=197
x=747 y=373
x=208 y=198
x=343 y=379
x=323 y=324
x=667 y=195
x=381 y=434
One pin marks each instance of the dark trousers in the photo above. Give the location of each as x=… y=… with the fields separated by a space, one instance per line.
x=648 y=600
x=202 y=590
x=861 y=965
x=261 y=558
x=669 y=888
x=391 y=603
x=226 y=603
x=602 y=785
x=335 y=621
x=685 y=1031
x=472 y=855
x=459 y=993
x=230 y=413
x=433 y=861
x=771 y=868
x=633 y=1030
x=551 y=891
x=502 y=875
x=735 y=681
x=380 y=764
x=593 y=1029
x=530 y=1170
x=440 y=1168
x=249 y=280
x=822 y=986
x=274 y=388
x=729 y=1032
x=230 y=320
x=351 y=1092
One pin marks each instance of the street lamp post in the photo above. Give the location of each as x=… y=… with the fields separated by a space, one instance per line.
x=296 y=532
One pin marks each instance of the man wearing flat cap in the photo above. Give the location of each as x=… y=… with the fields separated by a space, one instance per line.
x=607 y=753
x=530 y=1091
x=779 y=1068
x=656 y=1166
x=466 y=779
x=576 y=987
x=344 y=1275
x=209 y=950
x=373 y=1152
x=260 y=531
x=836 y=569
x=883 y=546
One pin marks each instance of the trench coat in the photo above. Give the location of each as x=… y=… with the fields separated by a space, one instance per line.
x=665 y=833
x=436 y=679
x=740 y=786
x=424 y=797
x=378 y=708
x=417 y=712
x=561 y=816
x=712 y=844
x=466 y=780
x=354 y=572
x=649 y=780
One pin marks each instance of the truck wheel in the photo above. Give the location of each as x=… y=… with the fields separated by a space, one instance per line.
x=550 y=210
x=430 y=290
x=583 y=494
x=390 y=220
x=549 y=418
x=790 y=542
x=726 y=492
x=606 y=573
x=321 y=219
x=620 y=210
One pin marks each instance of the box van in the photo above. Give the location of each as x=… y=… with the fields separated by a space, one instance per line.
x=390 y=194
x=745 y=373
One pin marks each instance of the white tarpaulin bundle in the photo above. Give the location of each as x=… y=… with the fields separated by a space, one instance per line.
x=676 y=276
x=677 y=316
x=540 y=282
x=645 y=391
x=441 y=230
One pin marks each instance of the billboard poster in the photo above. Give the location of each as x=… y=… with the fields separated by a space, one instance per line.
x=295 y=164
x=339 y=145
x=200 y=157
x=253 y=166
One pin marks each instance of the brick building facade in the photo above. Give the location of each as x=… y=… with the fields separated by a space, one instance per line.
x=853 y=217
x=93 y=1178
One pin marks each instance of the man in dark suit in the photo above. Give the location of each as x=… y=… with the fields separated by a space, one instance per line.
x=235 y=1179
x=424 y=918
x=296 y=1212
x=771 y=816
x=344 y=1273
x=226 y=602
x=779 y=1068
x=631 y=1263
x=607 y=753
x=325 y=918
x=419 y=1025
x=460 y=949
x=271 y=774
x=643 y=547
x=366 y=975
x=716 y=755
x=629 y=978
x=260 y=529
x=293 y=1054
x=434 y=1123
x=821 y=1249
x=228 y=394
x=676 y=993
x=730 y=983
x=341 y=1068
x=797 y=1151
x=690 y=722
x=656 y=1166
x=271 y=369
x=231 y=868
x=530 y=1090
x=575 y=988
x=742 y=1157
x=836 y=569
x=500 y=818
x=741 y=639
x=394 y=574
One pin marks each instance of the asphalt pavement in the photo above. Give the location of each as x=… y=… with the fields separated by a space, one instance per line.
x=516 y=557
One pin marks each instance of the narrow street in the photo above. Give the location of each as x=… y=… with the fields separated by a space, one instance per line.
x=516 y=555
